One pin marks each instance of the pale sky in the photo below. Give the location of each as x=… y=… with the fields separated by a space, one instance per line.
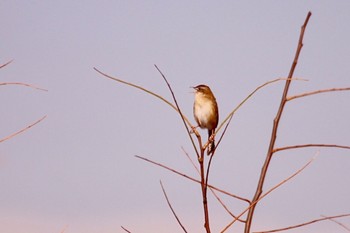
x=76 y=171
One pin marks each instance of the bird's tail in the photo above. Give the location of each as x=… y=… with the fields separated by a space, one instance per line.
x=211 y=146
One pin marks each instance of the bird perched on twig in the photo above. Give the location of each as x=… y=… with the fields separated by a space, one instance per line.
x=205 y=111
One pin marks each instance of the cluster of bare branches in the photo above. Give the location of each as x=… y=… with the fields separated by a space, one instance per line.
x=247 y=215
x=25 y=85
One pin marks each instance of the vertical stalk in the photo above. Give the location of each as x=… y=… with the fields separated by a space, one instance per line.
x=276 y=121
x=204 y=191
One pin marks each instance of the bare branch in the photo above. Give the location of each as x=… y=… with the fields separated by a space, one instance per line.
x=22 y=130
x=189 y=158
x=304 y=224
x=3 y=65
x=337 y=222
x=192 y=179
x=199 y=155
x=172 y=210
x=309 y=145
x=125 y=229
x=268 y=192
x=250 y=95
x=142 y=89
x=179 y=110
x=23 y=84
x=269 y=154
x=317 y=92
x=212 y=190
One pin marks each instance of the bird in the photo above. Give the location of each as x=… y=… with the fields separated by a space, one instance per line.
x=205 y=111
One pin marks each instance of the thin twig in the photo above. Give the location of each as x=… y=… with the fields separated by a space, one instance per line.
x=200 y=156
x=192 y=179
x=268 y=192
x=304 y=224
x=250 y=95
x=22 y=130
x=125 y=229
x=337 y=222
x=171 y=208
x=269 y=154
x=179 y=109
x=3 y=65
x=317 y=92
x=309 y=145
x=23 y=84
x=142 y=89
x=212 y=190
x=189 y=158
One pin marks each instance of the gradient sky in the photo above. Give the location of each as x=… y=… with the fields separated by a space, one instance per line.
x=76 y=170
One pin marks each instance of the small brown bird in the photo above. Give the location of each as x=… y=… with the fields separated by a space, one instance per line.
x=205 y=111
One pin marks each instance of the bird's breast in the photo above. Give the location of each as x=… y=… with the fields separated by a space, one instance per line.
x=204 y=114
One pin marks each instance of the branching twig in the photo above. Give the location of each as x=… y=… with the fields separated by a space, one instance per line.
x=192 y=179
x=199 y=155
x=304 y=224
x=250 y=95
x=265 y=167
x=179 y=109
x=212 y=190
x=317 y=92
x=171 y=208
x=22 y=130
x=309 y=145
x=337 y=222
x=268 y=192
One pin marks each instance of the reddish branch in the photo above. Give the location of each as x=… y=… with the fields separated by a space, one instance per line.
x=22 y=130
x=200 y=157
x=337 y=222
x=304 y=224
x=3 y=65
x=268 y=192
x=318 y=92
x=265 y=167
x=213 y=191
x=190 y=178
x=309 y=145
x=23 y=84
x=171 y=208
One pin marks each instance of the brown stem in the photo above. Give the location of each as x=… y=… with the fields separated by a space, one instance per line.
x=211 y=189
x=22 y=130
x=265 y=167
x=3 y=65
x=318 y=92
x=191 y=178
x=337 y=222
x=304 y=224
x=268 y=192
x=310 y=145
x=204 y=191
x=171 y=208
x=23 y=84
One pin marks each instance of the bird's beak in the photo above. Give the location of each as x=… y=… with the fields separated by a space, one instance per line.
x=194 y=89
